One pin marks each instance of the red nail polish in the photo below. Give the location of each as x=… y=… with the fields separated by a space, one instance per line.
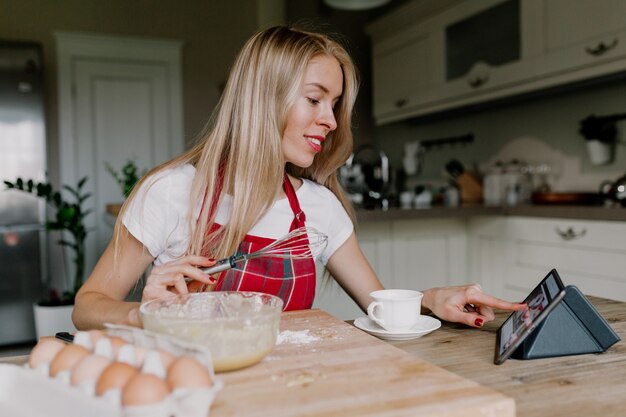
x=478 y=322
x=211 y=260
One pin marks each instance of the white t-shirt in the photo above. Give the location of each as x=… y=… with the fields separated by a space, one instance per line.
x=158 y=216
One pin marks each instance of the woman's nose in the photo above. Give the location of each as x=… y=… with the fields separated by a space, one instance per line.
x=327 y=118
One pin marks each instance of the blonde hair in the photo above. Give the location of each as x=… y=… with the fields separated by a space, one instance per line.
x=243 y=137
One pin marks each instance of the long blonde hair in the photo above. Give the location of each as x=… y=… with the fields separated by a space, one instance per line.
x=242 y=140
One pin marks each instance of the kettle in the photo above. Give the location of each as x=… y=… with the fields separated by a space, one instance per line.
x=615 y=190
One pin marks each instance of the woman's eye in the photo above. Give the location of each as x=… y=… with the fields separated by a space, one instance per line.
x=313 y=101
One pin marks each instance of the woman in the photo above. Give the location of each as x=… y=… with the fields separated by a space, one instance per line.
x=266 y=165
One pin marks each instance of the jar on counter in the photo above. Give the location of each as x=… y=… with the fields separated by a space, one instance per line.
x=493 y=190
x=516 y=183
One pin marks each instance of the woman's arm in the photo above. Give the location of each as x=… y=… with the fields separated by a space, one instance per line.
x=353 y=272
x=464 y=304
x=101 y=298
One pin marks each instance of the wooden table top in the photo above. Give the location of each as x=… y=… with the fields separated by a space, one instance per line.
x=583 y=385
x=338 y=370
x=335 y=369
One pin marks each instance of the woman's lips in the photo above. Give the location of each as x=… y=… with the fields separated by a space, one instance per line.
x=315 y=142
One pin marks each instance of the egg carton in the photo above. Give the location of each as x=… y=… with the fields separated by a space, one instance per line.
x=56 y=397
x=151 y=340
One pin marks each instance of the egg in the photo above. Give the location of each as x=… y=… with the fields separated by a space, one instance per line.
x=67 y=358
x=188 y=372
x=144 y=389
x=44 y=352
x=115 y=376
x=88 y=369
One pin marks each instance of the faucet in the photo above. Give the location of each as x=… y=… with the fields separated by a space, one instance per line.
x=374 y=171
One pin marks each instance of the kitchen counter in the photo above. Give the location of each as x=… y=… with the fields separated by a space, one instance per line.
x=545 y=211
x=583 y=385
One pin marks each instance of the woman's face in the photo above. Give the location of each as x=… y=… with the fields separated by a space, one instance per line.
x=311 y=118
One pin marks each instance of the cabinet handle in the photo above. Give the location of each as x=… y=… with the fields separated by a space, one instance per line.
x=570 y=234
x=601 y=48
x=478 y=81
x=402 y=102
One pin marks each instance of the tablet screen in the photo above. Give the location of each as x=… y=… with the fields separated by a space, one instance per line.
x=520 y=323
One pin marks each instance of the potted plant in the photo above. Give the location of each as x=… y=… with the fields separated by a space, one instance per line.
x=600 y=133
x=69 y=218
x=126 y=178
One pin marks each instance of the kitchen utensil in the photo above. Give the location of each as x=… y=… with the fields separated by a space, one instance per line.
x=238 y=327
x=469 y=186
x=581 y=199
x=303 y=242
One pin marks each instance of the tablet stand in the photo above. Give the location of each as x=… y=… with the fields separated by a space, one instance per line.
x=573 y=327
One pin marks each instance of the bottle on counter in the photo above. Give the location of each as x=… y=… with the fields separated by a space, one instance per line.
x=493 y=191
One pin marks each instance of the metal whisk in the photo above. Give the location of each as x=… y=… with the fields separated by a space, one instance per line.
x=304 y=242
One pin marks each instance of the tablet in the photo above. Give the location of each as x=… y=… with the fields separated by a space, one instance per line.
x=541 y=301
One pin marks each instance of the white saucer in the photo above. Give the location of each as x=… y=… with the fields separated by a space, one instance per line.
x=425 y=325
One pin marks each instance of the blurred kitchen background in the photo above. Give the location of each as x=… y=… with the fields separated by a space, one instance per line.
x=461 y=101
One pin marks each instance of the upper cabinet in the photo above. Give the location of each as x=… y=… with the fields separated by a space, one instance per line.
x=435 y=55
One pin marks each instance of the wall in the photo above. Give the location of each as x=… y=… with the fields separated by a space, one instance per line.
x=552 y=120
x=212 y=32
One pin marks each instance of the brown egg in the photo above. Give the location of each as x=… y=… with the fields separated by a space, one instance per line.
x=187 y=372
x=88 y=369
x=67 y=358
x=45 y=351
x=115 y=376
x=144 y=389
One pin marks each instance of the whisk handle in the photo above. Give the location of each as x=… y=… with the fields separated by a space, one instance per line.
x=221 y=265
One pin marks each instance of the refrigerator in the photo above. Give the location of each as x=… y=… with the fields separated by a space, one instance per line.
x=23 y=273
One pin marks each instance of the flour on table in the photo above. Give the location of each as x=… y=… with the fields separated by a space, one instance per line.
x=297 y=338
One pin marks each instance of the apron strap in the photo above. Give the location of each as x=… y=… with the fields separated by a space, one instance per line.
x=299 y=217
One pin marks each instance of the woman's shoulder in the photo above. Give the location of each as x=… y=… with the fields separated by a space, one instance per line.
x=175 y=174
x=312 y=187
x=178 y=177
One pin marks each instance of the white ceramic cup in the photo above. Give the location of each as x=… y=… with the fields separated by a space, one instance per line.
x=395 y=310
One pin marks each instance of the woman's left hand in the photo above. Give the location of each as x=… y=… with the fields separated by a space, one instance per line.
x=465 y=304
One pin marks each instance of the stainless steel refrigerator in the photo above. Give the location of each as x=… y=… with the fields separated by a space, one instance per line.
x=22 y=154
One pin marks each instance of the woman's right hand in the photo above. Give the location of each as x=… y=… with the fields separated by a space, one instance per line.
x=171 y=278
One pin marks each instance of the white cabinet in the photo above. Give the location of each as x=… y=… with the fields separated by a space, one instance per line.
x=472 y=51
x=514 y=253
x=507 y=255
x=411 y=254
x=576 y=40
x=403 y=73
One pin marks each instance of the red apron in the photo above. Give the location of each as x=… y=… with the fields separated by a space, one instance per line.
x=293 y=280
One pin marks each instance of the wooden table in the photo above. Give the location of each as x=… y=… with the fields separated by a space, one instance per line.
x=342 y=371
x=583 y=385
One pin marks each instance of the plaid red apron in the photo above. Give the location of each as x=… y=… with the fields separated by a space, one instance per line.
x=293 y=280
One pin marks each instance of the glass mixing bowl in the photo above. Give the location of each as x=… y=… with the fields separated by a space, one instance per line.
x=239 y=328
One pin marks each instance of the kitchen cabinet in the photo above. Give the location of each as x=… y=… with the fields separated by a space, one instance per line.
x=469 y=52
x=410 y=254
x=510 y=255
x=577 y=40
